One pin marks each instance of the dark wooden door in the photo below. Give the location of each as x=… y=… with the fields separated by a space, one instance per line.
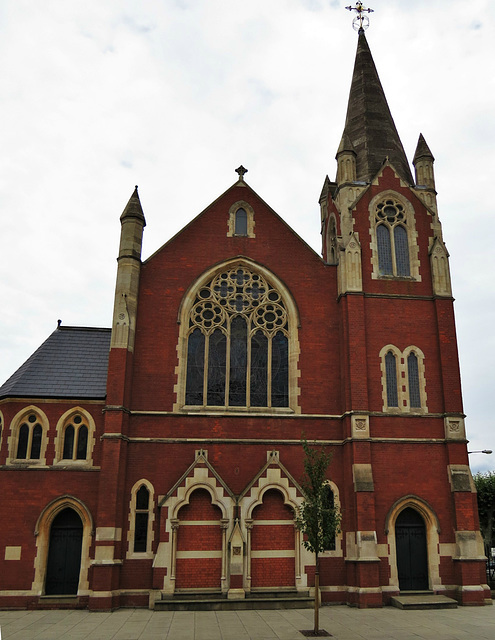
x=412 y=558
x=64 y=554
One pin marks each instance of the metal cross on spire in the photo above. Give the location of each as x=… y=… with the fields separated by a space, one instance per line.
x=361 y=21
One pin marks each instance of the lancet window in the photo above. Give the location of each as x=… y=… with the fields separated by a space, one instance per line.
x=30 y=438
x=75 y=439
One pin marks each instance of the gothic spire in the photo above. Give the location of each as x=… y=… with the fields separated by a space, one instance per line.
x=369 y=124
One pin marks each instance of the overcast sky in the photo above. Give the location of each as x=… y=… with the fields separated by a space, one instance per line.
x=173 y=95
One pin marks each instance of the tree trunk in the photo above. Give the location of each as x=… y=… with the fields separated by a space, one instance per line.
x=317 y=596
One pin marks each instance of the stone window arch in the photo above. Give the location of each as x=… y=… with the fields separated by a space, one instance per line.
x=28 y=437
x=75 y=438
x=238 y=345
x=394 y=246
x=141 y=518
x=241 y=220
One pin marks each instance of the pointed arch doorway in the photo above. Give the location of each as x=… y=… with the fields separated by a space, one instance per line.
x=64 y=554
x=411 y=547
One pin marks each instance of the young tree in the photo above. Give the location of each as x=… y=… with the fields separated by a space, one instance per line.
x=317 y=517
x=485 y=486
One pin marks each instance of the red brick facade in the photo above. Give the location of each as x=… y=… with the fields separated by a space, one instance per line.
x=191 y=496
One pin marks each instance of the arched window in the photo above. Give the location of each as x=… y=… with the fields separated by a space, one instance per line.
x=241 y=222
x=141 y=517
x=384 y=250
x=30 y=438
x=75 y=445
x=329 y=503
x=408 y=367
x=392 y=239
x=238 y=343
x=413 y=380
x=391 y=375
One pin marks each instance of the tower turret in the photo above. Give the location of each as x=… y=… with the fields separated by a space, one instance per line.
x=423 y=164
x=129 y=265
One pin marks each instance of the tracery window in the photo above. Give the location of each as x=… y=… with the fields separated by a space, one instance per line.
x=392 y=239
x=30 y=438
x=75 y=439
x=238 y=343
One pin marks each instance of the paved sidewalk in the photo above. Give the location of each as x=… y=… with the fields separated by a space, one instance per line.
x=344 y=623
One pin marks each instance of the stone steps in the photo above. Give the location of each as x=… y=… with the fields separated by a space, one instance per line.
x=422 y=600
x=219 y=602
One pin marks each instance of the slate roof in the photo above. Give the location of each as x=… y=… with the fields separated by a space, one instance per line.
x=369 y=125
x=71 y=363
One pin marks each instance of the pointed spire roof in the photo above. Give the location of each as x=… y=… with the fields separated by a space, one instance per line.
x=369 y=124
x=422 y=150
x=133 y=208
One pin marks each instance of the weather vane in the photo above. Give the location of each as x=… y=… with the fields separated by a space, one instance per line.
x=361 y=21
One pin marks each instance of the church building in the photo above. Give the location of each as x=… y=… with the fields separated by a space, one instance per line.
x=160 y=459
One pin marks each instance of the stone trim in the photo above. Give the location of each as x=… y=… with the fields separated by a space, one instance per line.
x=42 y=533
x=241 y=204
x=403 y=379
x=292 y=335
x=59 y=438
x=13 y=439
x=432 y=539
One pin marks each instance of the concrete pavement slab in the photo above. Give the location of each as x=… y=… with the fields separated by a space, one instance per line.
x=344 y=623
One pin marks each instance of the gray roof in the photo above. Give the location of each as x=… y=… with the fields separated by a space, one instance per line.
x=71 y=363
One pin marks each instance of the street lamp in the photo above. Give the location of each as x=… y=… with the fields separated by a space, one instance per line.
x=487 y=451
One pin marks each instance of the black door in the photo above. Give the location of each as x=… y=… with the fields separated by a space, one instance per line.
x=64 y=554
x=412 y=559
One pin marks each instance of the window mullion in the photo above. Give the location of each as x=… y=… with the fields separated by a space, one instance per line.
x=30 y=443
x=205 y=370
x=269 y=376
x=248 y=365
x=227 y=364
x=392 y=250
x=74 y=444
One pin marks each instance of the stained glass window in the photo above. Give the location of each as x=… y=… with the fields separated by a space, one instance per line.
x=238 y=343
